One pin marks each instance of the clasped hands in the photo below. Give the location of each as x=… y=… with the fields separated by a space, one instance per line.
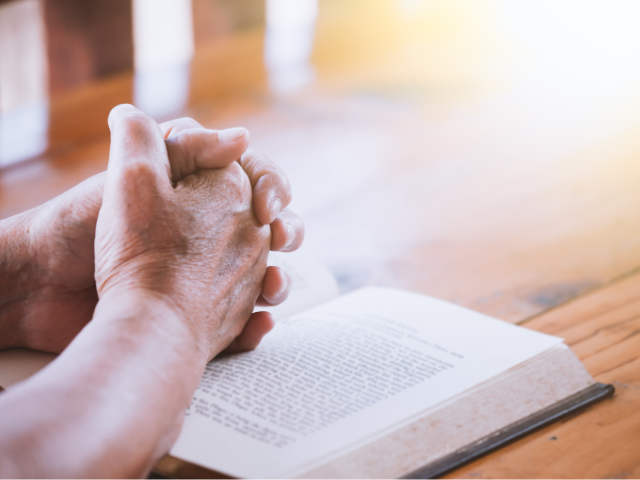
x=183 y=217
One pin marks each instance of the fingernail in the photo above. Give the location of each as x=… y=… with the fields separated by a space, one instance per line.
x=291 y=235
x=284 y=285
x=274 y=208
x=230 y=134
x=282 y=289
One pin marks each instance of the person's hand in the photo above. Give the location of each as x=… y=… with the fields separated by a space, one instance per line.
x=194 y=245
x=56 y=294
x=179 y=266
x=271 y=189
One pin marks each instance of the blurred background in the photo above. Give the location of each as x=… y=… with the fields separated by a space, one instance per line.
x=485 y=151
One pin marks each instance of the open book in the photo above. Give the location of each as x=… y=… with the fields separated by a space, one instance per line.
x=378 y=383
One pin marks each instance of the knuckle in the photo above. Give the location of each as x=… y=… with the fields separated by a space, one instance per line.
x=135 y=123
x=237 y=179
x=136 y=177
x=121 y=109
x=264 y=166
x=248 y=155
x=282 y=182
x=187 y=138
x=256 y=162
x=277 y=182
x=185 y=123
x=123 y=112
x=264 y=171
x=229 y=185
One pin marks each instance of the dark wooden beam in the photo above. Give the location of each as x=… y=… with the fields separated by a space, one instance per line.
x=87 y=39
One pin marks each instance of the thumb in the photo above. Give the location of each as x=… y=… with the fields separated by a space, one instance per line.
x=137 y=144
x=136 y=184
x=191 y=146
x=195 y=148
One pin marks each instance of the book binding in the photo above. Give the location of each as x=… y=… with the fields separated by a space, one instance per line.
x=516 y=431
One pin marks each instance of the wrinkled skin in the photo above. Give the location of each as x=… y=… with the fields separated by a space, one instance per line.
x=62 y=244
x=57 y=291
x=207 y=262
x=179 y=264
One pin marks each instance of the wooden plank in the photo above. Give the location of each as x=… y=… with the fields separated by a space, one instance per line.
x=79 y=116
x=496 y=188
x=392 y=197
x=486 y=206
x=594 y=305
x=603 y=441
x=87 y=40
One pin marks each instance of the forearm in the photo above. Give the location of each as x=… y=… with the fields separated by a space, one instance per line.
x=113 y=401
x=17 y=285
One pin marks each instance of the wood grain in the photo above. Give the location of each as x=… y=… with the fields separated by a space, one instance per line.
x=603 y=441
x=488 y=207
x=433 y=152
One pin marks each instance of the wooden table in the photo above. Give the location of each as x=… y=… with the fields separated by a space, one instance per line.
x=438 y=147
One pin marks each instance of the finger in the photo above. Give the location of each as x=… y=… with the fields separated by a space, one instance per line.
x=271 y=189
x=287 y=232
x=137 y=145
x=191 y=146
x=275 y=289
x=177 y=125
x=200 y=148
x=258 y=325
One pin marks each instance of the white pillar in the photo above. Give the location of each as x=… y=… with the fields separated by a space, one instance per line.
x=289 y=43
x=24 y=104
x=163 y=48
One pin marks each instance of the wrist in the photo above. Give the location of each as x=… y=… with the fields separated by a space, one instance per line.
x=18 y=279
x=126 y=379
x=148 y=317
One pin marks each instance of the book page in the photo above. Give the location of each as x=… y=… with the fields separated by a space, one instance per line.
x=311 y=283
x=339 y=374
x=480 y=412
